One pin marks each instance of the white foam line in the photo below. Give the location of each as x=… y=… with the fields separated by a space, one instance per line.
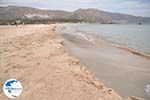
x=147 y=89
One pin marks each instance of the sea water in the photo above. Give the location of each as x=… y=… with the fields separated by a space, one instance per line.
x=133 y=36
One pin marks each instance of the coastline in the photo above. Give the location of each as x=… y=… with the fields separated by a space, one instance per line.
x=35 y=55
x=112 y=62
x=96 y=39
x=131 y=50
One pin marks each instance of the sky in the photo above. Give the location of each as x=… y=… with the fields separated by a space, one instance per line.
x=133 y=7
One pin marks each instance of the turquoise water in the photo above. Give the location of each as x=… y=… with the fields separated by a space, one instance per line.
x=133 y=36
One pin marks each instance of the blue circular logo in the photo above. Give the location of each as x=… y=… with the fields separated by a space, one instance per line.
x=12 y=88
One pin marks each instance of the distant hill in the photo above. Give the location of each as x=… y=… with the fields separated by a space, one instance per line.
x=87 y=15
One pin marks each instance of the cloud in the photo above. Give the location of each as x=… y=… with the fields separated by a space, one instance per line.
x=85 y=1
x=134 y=7
x=44 y=1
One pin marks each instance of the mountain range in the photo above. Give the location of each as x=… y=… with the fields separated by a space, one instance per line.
x=86 y=15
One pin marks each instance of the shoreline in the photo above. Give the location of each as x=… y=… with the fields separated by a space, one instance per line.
x=95 y=38
x=122 y=59
x=35 y=55
x=133 y=51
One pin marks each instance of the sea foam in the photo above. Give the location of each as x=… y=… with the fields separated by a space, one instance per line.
x=147 y=89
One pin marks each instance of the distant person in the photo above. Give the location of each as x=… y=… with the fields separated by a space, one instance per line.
x=16 y=23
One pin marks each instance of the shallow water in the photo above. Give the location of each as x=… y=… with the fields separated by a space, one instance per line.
x=119 y=69
x=133 y=36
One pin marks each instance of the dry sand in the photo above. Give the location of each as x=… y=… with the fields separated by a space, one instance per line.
x=35 y=55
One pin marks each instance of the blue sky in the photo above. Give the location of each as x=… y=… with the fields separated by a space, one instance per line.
x=133 y=7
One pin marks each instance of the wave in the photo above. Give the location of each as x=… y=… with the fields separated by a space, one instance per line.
x=94 y=38
x=147 y=89
x=136 y=52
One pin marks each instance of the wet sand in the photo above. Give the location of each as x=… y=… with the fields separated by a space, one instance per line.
x=125 y=71
x=35 y=55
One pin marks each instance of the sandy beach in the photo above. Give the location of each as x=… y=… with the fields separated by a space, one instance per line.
x=35 y=55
